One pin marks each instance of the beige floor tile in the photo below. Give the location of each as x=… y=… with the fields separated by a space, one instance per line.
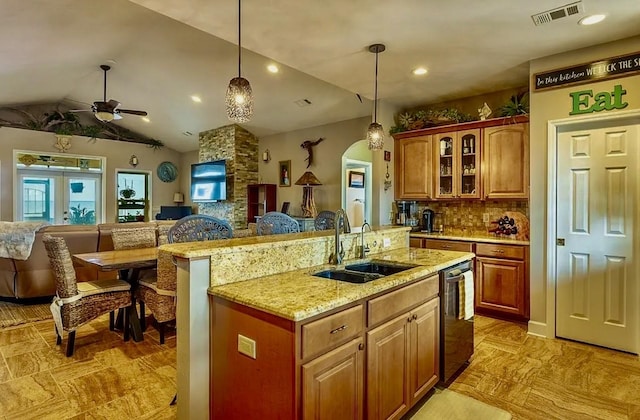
x=560 y=401
x=56 y=409
x=75 y=370
x=40 y=360
x=15 y=349
x=18 y=334
x=27 y=392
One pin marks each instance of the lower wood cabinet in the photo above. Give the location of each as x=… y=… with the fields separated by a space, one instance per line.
x=402 y=361
x=501 y=276
x=317 y=369
x=333 y=384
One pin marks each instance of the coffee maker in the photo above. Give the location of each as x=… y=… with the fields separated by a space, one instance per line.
x=427 y=220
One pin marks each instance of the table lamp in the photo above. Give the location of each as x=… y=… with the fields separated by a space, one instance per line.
x=308 y=180
x=178 y=198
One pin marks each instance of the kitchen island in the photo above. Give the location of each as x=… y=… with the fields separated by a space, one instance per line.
x=269 y=277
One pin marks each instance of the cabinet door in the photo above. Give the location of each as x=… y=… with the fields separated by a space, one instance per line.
x=445 y=151
x=387 y=369
x=413 y=168
x=333 y=384
x=424 y=349
x=468 y=180
x=506 y=161
x=500 y=286
x=415 y=242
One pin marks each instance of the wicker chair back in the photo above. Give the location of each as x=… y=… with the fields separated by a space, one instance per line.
x=62 y=266
x=275 y=223
x=199 y=227
x=325 y=220
x=133 y=238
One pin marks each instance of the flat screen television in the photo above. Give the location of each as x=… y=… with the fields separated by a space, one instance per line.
x=208 y=181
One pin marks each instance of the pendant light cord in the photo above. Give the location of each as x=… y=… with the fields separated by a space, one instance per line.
x=375 y=95
x=239 y=38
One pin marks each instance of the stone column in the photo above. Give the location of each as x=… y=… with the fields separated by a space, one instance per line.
x=240 y=150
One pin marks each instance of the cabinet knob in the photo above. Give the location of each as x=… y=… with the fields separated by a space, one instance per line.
x=361 y=346
x=414 y=317
x=409 y=319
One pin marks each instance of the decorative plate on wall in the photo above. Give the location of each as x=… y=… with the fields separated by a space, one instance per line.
x=167 y=172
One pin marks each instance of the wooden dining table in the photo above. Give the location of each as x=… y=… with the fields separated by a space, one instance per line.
x=126 y=261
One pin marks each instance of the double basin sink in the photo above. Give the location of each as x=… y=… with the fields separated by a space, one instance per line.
x=364 y=272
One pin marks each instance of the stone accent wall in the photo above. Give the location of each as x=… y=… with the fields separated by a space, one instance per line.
x=240 y=150
x=467 y=215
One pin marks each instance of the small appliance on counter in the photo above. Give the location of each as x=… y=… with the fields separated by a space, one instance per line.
x=406 y=213
x=427 y=221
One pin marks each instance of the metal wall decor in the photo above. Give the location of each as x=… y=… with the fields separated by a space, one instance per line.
x=167 y=172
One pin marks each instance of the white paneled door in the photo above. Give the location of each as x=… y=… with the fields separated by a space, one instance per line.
x=597 y=213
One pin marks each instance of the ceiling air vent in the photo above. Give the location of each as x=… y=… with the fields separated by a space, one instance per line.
x=561 y=12
x=303 y=102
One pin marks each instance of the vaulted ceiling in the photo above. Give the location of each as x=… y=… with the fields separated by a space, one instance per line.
x=164 y=51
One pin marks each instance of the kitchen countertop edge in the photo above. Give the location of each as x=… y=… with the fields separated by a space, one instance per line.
x=469 y=238
x=298 y=295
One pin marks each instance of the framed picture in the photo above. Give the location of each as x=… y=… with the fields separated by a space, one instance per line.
x=285 y=207
x=356 y=179
x=284 y=173
x=387 y=156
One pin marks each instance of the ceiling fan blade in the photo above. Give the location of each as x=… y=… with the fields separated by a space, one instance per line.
x=117 y=116
x=81 y=110
x=133 y=111
x=113 y=103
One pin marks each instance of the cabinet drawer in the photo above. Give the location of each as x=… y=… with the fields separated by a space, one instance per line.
x=415 y=242
x=500 y=251
x=448 y=245
x=394 y=303
x=323 y=334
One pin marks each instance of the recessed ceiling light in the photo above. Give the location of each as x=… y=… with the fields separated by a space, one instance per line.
x=146 y=119
x=591 y=20
x=196 y=98
x=273 y=68
x=420 y=71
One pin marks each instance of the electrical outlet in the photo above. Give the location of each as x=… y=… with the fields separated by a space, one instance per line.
x=386 y=242
x=246 y=346
x=485 y=217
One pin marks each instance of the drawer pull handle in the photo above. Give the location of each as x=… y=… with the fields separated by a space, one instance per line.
x=500 y=251
x=360 y=346
x=337 y=330
x=447 y=246
x=414 y=316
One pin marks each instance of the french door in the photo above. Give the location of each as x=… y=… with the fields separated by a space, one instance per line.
x=59 y=197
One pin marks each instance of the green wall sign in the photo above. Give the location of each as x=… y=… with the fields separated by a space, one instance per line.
x=585 y=102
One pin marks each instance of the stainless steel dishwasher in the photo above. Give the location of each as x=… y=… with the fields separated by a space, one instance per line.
x=456 y=320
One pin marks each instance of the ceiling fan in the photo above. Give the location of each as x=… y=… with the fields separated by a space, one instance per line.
x=108 y=111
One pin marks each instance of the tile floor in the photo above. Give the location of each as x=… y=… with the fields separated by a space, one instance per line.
x=532 y=378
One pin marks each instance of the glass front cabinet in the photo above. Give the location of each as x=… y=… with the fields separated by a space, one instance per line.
x=457 y=169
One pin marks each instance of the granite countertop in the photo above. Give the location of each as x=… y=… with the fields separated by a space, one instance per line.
x=297 y=295
x=470 y=237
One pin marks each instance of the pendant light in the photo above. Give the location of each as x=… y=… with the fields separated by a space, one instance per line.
x=239 y=98
x=375 y=132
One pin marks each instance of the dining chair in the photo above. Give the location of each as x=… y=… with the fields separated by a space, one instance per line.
x=199 y=227
x=77 y=303
x=325 y=220
x=159 y=294
x=275 y=223
x=134 y=238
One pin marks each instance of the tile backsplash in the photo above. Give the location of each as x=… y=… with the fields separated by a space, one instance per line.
x=467 y=215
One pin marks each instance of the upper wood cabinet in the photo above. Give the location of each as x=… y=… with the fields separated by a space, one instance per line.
x=457 y=164
x=505 y=169
x=475 y=160
x=413 y=168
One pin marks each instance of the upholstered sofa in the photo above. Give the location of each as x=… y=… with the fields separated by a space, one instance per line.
x=30 y=278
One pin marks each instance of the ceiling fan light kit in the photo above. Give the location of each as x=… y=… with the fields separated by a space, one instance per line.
x=239 y=97
x=375 y=132
x=108 y=111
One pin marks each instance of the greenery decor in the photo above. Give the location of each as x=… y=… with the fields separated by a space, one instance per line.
x=428 y=118
x=517 y=105
x=82 y=216
x=68 y=123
